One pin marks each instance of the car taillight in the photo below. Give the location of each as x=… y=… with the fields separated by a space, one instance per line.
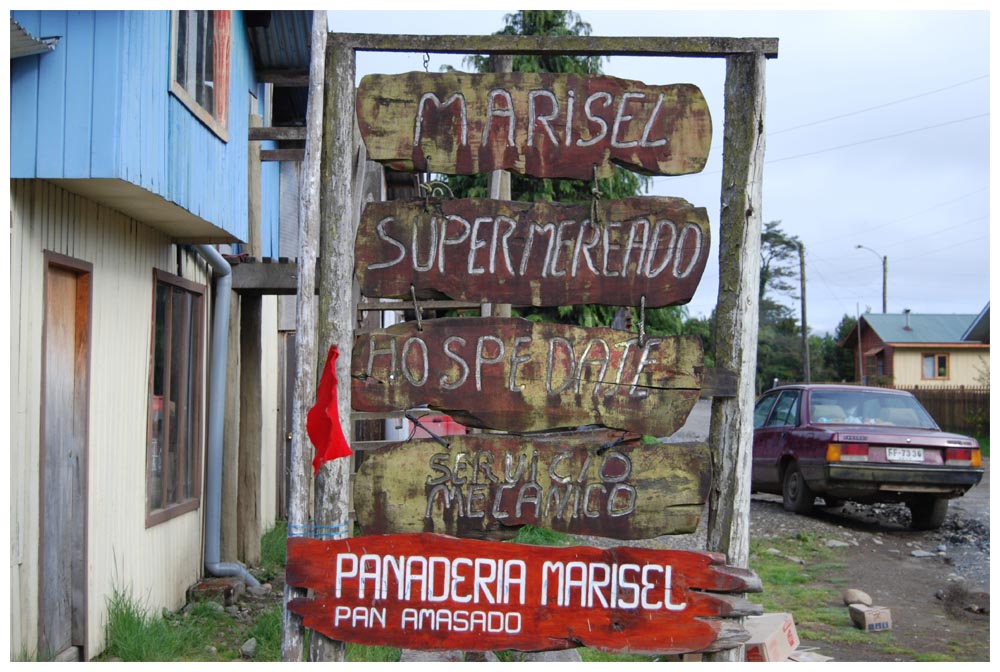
x=847 y=452
x=963 y=457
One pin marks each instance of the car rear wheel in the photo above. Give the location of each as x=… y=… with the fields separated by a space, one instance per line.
x=927 y=513
x=795 y=493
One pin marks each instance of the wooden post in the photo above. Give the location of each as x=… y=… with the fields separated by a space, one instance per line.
x=248 y=471
x=499 y=180
x=806 y=364
x=305 y=340
x=335 y=324
x=731 y=432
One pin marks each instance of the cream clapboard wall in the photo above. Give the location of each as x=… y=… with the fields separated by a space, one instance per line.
x=967 y=366
x=157 y=564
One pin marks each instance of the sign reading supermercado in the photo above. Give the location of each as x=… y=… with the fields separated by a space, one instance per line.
x=593 y=482
x=542 y=254
x=520 y=376
x=540 y=124
x=435 y=592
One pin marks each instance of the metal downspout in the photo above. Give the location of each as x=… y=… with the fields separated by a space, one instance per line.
x=216 y=411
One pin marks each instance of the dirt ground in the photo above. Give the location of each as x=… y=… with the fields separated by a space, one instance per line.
x=939 y=602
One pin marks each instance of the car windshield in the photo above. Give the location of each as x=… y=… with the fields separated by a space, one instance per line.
x=827 y=407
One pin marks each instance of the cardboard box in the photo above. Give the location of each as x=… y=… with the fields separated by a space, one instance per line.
x=871 y=619
x=808 y=657
x=772 y=637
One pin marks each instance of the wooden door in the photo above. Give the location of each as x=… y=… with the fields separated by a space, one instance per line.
x=65 y=402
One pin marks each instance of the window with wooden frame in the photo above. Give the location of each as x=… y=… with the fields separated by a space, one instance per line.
x=199 y=65
x=935 y=366
x=173 y=452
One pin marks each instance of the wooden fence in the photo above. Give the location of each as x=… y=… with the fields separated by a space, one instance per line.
x=961 y=409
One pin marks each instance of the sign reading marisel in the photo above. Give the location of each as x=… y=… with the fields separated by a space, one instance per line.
x=520 y=376
x=540 y=124
x=542 y=254
x=430 y=591
x=594 y=482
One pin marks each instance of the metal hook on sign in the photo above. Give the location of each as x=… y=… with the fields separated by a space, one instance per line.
x=427 y=60
x=416 y=421
x=611 y=444
x=416 y=307
x=642 y=321
x=595 y=191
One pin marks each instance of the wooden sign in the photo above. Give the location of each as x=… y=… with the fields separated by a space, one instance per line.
x=539 y=254
x=540 y=124
x=428 y=591
x=597 y=482
x=515 y=375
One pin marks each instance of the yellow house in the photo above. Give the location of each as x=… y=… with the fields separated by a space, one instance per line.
x=910 y=350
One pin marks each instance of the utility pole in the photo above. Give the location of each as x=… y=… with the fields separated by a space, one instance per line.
x=806 y=372
x=885 y=272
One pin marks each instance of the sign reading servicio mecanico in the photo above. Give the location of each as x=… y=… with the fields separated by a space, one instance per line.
x=594 y=482
x=427 y=591
x=540 y=124
x=541 y=254
x=515 y=375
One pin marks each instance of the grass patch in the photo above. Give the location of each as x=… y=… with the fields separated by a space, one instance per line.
x=357 y=653
x=272 y=551
x=537 y=536
x=811 y=590
x=594 y=656
x=133 y=635
x=267 y=632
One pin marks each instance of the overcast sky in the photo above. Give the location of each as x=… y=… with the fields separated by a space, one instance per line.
x=877 y=128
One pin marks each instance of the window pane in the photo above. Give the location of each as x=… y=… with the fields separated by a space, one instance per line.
x=928 y=366
x=158 y=426
x=942 y=366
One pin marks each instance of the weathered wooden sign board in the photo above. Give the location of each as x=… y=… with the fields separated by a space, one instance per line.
x=540 y=254
x=596 y=482
x=428 y=591
x=540 y=124
x=515 y=375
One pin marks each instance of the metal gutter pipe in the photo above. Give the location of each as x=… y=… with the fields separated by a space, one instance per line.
x=216 y=414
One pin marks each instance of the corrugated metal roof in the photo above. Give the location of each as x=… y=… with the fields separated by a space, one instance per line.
x=283 y=43
x=280 y=40
x=979 y=330
x=23 y=43
x=917 y=328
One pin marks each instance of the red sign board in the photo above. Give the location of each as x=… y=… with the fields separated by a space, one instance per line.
x=540 y=254
x=425 y=591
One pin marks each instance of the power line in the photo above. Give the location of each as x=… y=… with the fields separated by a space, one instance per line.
x=882 y=137
x=877 y=107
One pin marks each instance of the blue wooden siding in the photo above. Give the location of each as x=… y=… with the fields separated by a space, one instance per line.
x=99 y=106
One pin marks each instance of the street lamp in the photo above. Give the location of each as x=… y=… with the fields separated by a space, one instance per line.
x=885 y=271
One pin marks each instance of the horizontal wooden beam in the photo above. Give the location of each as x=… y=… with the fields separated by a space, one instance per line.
x=291 y=78
x=282 y=154
x=266 y=277
x=569 y=45
x=277 y=133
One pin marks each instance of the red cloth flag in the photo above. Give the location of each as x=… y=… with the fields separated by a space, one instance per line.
x=323 y=419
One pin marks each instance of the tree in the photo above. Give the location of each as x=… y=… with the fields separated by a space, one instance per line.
x=622 y=183
x=779 y=352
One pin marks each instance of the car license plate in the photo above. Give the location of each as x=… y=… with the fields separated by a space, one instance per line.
x=904 y=454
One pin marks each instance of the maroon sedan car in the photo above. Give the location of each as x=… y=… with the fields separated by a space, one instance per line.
x=865 y=444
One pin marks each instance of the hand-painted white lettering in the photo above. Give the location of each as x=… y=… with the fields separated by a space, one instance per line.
x=430 y=97
x=380 y=230
x=621 y=117
x=406 y=360
x=502 y=112
x=594 y=139
x=542 y=119
x=645 y=141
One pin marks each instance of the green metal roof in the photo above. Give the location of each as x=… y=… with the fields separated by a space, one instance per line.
x=917 y=328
